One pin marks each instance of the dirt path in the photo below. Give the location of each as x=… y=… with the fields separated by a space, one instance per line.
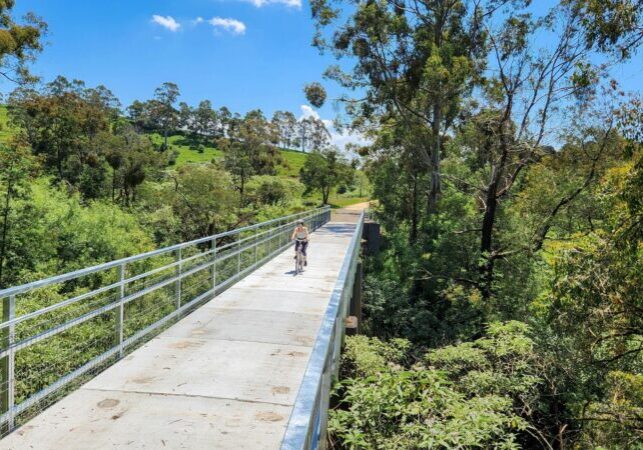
x=350 y=213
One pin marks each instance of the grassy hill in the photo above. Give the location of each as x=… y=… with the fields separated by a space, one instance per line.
x=293 y=160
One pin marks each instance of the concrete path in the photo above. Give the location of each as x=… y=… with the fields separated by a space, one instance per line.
x=225 y=377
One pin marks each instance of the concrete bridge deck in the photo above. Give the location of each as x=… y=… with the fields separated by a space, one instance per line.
x=224 y=377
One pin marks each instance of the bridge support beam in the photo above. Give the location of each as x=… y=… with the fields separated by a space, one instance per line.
x=354 y=320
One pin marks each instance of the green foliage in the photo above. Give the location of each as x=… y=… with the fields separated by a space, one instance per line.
x=614 y=26
x=273 y=190
x=249 y=150
x=315 y=94
x=468 y=396
x=62 y=124
x=19 y=43
x=324 y=171
x=195 y=201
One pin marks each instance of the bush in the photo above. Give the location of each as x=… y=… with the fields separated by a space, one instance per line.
x=465 y=396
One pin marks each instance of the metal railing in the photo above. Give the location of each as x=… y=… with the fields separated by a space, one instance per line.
x=307 y=425
x=59 y=332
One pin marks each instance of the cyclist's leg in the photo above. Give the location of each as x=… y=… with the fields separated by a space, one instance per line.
x=304 y=247
x=296 y=247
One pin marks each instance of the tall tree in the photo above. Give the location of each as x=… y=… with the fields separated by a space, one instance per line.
x=414 y=60
x=19 y=43
x=285 y=123
x=17 y=169
x=313 y=134
x=61 y=122
x=249 y=150
x=163 y=111
x=205 y=120
x=325 y=170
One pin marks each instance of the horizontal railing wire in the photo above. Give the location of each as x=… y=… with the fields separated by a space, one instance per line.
x=59 y=332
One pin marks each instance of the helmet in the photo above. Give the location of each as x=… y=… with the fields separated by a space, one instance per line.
x=300 y=222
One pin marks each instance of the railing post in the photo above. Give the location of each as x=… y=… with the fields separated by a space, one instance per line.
x=214 y=266
x=8 y=363
x=256 y=249
x=178 y=286
x=238 y=253
x=121 y=311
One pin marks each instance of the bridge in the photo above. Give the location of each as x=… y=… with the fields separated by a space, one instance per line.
x=213 y=343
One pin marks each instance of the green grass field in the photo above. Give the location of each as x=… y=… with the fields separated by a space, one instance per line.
x=188 y=155
x=293 y=160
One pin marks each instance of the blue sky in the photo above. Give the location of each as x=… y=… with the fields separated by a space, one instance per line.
x=261 y=61
x=243 y=54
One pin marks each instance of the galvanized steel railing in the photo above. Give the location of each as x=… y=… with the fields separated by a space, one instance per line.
x=307 y=425
x=58 y=332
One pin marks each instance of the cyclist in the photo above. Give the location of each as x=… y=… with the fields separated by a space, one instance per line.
x=300 y=235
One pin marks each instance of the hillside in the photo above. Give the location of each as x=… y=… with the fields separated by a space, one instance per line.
x=293 y=160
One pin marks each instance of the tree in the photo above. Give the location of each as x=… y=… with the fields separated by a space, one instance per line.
x=314 y=134
x=17 y=169
x=61 y=123
x=204 y=120
x=204 y=198
x=186 y=117
x=315 y=94
x=613 y=26
x=325 y=170
x=414 y=63
x=249 y=150
x=286 y=125
x=132 y=160
x=139 y=113
x=19 y=43
x=163 y=113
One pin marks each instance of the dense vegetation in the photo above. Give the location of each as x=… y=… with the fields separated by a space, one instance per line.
x=85 y=181
x=71 y=163
x=506 y=307
x=505 y=310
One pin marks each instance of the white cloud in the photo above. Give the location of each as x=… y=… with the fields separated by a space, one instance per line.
x=288 y=3
x=339 y=139
x=234 y=26
x=166 y=22
x=307 y=111
x=198 y=20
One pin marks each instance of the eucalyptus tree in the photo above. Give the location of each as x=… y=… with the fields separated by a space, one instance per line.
x=19 y=43
x=414 y=60
x=163 y=112
x=314 y=135
x=612 y=26
x=286 y=125
x=324 y=170
x=204 y=120
x=61 y=121
x=519 y=117
x=249 y=150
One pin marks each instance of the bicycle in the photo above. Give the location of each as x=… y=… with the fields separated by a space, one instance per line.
x=299 y=258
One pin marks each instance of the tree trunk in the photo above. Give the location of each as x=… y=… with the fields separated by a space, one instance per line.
x=325 y=195
x=436 y=187
x=414 y=211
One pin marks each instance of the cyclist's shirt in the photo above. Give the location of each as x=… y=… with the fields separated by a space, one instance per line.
x=301 y=234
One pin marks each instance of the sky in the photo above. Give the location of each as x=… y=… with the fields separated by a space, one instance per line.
x=244 y=54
